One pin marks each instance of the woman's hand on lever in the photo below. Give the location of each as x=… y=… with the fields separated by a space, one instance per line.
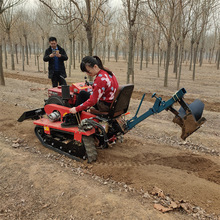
x=73 y=110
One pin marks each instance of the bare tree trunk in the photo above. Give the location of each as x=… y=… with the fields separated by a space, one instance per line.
x=23 y=58
x=104 y=51
x=191 y=55
x=38 y=63
x=142 y=53
x=109 y=51
x=82 y=49
x=89 y=38
x=212 y=52
x=158 y=59
x=35 y=58
x=79 y=52
x=130 y=57
x=201 y=52
x=161 y=56
x=132 y=10
x=146 y=57
x=210 y=55
x=132 y=76
x=194 y=60
x=116 y=53
x=153 y=51
x=29 y=45
x=74 y=53
x=43 y=44
x=11 y=51
x=6 y=57
x=185 y=56
x=137 y=55
x=216 y=56
x=206 y=55
x=201 y=57
x=164 y=60
x=12 y=58
x=180 y=63
x=125 y=53
x=175 y=59
x=65 y=46
x=167 y=63
x=96 y=50
x=188 y=57
x=26 y=48
x=20 y=48
x=70 y=54
x=38 y=58
x=218 y=59
x=16 y=52
x=2 y=79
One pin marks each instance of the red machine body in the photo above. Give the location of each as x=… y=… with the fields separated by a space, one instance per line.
x=78 y=136
x=62 y=110
x=74 y=89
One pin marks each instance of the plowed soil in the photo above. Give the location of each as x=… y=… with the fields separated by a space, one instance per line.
x=37 y=183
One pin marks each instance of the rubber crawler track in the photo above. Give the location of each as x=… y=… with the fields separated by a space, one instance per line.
x=89 y=145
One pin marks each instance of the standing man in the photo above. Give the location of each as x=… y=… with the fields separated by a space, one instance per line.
x=56 y=56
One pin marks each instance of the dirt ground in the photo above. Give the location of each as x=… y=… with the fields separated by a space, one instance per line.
x=152 y=169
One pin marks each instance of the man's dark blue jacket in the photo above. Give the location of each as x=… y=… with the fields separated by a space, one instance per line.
x=51 y=61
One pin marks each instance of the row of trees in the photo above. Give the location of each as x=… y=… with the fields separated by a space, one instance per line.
x=4 y=6
x=169 y=30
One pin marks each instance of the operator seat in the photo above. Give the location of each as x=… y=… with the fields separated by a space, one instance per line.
x=120 y=102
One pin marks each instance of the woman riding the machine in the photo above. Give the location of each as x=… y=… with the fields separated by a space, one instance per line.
x=104 y=87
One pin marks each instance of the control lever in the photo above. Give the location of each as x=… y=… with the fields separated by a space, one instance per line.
x=86 y=82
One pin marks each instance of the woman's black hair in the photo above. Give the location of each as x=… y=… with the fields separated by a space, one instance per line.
x=92 y=61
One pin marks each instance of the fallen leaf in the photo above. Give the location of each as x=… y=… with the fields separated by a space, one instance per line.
x=46 y=205
x=158 y=192
x=173 y=205
x=15 y=145
x=185 y=206
x=16 y=141
x=162 y=208
x=98 y=212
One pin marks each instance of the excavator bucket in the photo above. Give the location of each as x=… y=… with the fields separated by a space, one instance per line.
x=189 y=117
x=33 y=114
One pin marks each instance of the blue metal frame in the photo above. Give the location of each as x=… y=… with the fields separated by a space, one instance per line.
x=158 y=107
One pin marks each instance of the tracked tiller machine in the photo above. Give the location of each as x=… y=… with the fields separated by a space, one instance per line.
x=78 y=136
